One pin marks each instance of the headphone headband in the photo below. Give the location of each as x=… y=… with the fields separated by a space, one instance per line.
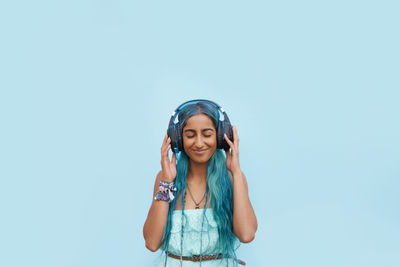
x=194 y=101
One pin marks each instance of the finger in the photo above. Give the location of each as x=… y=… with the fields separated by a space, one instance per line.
x=168 y=148
x=173 y=161
x=235 y=134
x=165 y=139
x=164 y=162
x=228 y=141
x=165 y=149
x=228 y=155
x=235 y=137
x=164 y=143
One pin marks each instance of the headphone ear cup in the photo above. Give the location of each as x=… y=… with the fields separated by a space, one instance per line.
x=171 y=133
x=228 y=132
x=220 y=135
x=179 y=137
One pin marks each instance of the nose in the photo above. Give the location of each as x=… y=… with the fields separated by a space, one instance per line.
x=199 y=142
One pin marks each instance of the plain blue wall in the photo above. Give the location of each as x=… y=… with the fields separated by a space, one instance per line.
x=87 y=89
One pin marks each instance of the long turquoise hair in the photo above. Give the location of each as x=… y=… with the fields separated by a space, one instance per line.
x=218 y=183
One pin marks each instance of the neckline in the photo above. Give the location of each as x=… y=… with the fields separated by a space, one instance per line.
x=180 y=210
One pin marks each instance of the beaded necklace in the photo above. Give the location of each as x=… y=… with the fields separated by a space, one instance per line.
x=201 y=231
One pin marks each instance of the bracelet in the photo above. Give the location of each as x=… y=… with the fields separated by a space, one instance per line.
x=165 y=191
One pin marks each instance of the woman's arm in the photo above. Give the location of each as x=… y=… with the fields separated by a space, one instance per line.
x=244 y=218
x=153 y=228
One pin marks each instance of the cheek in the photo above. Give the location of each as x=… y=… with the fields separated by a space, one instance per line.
x=214 y=141
x=187 y=143
x=212 y=144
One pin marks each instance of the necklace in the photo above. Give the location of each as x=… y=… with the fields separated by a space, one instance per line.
x=197 y=204
x=201 y=232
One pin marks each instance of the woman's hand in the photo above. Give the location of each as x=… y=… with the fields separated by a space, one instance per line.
x=168 y=167
x=232 y=155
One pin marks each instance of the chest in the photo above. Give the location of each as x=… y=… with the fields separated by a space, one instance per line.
x=192 y=201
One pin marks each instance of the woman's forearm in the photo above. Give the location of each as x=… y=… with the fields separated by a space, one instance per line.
x=153 y=229
x=244 y=218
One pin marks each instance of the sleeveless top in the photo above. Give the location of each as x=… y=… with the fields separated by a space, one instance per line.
x=191 y=239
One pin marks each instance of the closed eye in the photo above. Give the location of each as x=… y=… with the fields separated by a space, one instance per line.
x=205 y=135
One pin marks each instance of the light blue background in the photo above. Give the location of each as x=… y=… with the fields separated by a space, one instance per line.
x=87 y=89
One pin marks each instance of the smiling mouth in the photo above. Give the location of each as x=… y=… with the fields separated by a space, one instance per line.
x=199 y=151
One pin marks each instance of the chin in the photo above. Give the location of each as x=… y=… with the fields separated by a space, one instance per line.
x=200 y=159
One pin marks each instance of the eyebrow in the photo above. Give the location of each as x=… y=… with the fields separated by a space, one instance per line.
x=206 y=129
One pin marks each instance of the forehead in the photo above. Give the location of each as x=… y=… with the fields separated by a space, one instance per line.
x=199 y=121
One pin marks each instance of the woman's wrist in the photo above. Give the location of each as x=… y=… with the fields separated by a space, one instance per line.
x=167 y=178
x=239 y=172
x=236 y=173
x=165 y=191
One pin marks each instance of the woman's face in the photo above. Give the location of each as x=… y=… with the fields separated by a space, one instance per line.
x=199 y=138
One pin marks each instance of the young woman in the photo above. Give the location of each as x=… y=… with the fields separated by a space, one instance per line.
x=201 y=207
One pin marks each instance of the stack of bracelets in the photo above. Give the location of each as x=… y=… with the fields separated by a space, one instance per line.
x=165 y=191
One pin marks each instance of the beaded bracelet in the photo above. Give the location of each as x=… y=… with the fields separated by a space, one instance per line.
x=165 y=191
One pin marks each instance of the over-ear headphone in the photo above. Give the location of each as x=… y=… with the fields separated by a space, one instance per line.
x=175 y=132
